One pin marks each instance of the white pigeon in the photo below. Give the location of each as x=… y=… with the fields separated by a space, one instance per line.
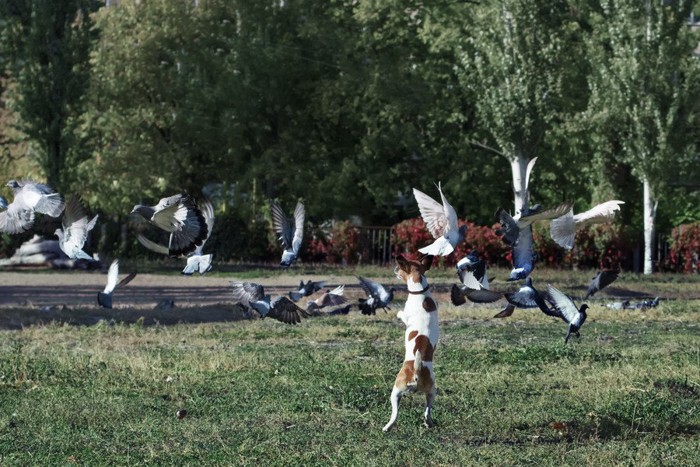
x=180 y=216
x=29 y=197
x=252 y=297
x=196 y=261
x=75 y=229
x=441 y=221
x=104 y=298
x=563 y=229
x=290 y=236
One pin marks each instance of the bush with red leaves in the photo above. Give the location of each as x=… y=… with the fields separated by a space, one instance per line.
x=685 y=248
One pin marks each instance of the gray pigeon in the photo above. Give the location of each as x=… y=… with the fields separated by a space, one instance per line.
x=252 y=297
x=567 y=310
x=601 y=280
x=306 y=289
x=196 y=261
x=377 y=296
x=290 y=236
x=75 y=229
x=104 y=298
x=529 y=297
x=329 y=298
x=29 y=197
x=511 y=226
x=180 y=216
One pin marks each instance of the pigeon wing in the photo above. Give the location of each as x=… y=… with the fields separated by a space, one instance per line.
x=112 y=275
x=75 y=225
x=432 y=212
x=247 y=292
x=334 y=297
x=450 y=213
x=281 y=225
x=285 y=310
x=151 y=245
x=14 y=221
x=299 y=215
x=371 y=288
x=599 y=214
x=563 y=304
x=553 y=213
x=193 y=229
x=126 y=280
x=483 y=296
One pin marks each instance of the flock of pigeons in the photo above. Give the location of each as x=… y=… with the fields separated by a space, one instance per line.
x=189 y=225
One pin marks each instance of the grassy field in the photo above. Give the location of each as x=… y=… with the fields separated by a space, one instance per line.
x=262 y=393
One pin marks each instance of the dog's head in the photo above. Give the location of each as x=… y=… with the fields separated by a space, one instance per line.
x=412 y=270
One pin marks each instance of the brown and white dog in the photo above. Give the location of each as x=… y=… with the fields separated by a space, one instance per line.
x=421 y=318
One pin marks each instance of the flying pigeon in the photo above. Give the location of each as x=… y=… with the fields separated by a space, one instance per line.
x=523 y=256
x=377 y=296
x=511 y=226
x=329 y=298
x=180 y=216
x=75 y=229
x=529 y=297
x=600 y=281
x=306 y=289
x=29 y=197
x=567 y=310
x=563 y=229
x=104 y=298
x=441 y=221
x=474 y=282
x=252 y=297
x=290 y=236
x=196 y=261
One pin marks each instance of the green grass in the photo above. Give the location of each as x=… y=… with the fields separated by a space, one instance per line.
x=262 y=393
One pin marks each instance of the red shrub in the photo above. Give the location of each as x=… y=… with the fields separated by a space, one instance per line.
x=340 y=243
x=685 y=247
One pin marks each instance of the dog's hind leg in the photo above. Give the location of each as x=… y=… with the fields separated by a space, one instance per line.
x=428 y=416
x=396 y=394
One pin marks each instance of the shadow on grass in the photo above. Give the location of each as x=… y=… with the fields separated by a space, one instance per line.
x=18 y=318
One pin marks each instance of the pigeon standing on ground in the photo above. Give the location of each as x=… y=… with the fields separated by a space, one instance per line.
x=600 y=281
x=441 y=221
x=196 y=261
x=252 y=297
x=75 y=229
x=104 y=298
x=565 y=308
x=290 y=236
x=29 y=197
x=306 y=289
x=563 y=229
x=329 y=298
x=179 y=216
x=377 y=296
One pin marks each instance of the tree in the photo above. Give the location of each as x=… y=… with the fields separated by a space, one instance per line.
x=644 y=86
x=521 y=66
x=44 y=47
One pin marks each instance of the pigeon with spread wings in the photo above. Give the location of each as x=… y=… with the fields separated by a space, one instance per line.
x=474 y=286
x=252 y=297
x=601 y=280
x=290 y=235
x=306 y=289
x=76 y=228
x=196 y=261
x=441 y=221
x=104 y=298
x=566 y=309
x=328 y=299
x=179 y=216
x=563 y=229
x=377 y=296
x=29 y=197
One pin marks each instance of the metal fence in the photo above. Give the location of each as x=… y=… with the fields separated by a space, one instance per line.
x=376 y=243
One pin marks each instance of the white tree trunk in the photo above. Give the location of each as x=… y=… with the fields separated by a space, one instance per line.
x=518 y=166
x=649 y=218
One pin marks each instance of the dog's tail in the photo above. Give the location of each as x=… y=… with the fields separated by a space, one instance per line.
x=417 y=363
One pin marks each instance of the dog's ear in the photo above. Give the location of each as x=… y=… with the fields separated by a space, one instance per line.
x=426 y=261
x=402 y=262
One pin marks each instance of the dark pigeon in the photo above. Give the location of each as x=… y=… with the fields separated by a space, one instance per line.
x=252 y=297
x=377 y=296
x=567 y=310
x=600 y=281
x=306 y=290
x=290 y=235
